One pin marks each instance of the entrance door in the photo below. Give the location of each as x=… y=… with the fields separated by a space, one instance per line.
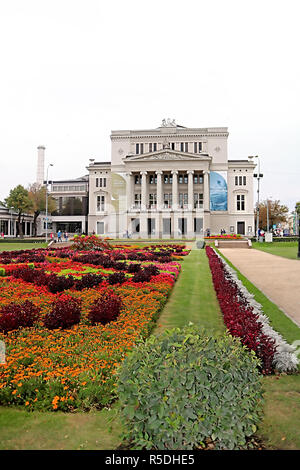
x=241 y=228
x=182 y=226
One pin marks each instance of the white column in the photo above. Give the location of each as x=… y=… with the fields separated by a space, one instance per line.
x=159 y=190
x=144 y=191
x=206 y=191
x=190 y=190
x=174 y=190
x=129 y=190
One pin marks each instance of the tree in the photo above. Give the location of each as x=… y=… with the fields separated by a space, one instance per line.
x=37 y=195
x=277 y=213
x=297 y=207
x=19 y=201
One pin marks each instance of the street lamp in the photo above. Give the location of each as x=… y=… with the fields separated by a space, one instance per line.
x=257 y=175
x=50 y=164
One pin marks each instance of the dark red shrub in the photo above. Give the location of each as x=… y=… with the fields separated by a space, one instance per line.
x=105 y=309
x=116 y=278
x=24 y=273
x=141 y=276
x=134 y=268
x=59 y=283
x=65 y=312
x=13 y=315
x=120 y=266
x=88 y=281
x=151 y=269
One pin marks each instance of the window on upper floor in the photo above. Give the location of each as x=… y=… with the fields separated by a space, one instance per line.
x=240 y=180
x=172 y=145
x=150 y=147
x=181 y=146
x=197 y=147
x=100 y=203
x=186 y=146
x=137 y=179
x=240 y=202
x=198 y=200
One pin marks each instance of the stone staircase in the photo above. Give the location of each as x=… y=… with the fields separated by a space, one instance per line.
x=244 y=243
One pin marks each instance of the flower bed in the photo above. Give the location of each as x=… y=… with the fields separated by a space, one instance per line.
x=65 y=367
x=245 y=319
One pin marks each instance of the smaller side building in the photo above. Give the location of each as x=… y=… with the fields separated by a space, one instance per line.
x=71 y=213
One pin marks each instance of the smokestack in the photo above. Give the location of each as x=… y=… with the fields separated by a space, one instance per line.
x=41 y=165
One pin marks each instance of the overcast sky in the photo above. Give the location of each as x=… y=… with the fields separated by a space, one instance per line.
x=73 y=70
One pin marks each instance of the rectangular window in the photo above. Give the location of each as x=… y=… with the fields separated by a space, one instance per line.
x=100 y=228
x=181 y=146
x=154 y=147
x=172 y=145
x=167 y=200
x=166 y=179
x=97 y=182
x=100 y=203
x=137 y=179
x=240 y=202
x=195 y=147
x=200 y=147
x=150 y=147
x=240 y=180
x=183 y=200
x=137 y=149
x=186 y=147
x=198 y=200
x=236 y=179
x=137 y=200
x=151 y=179
x=141 y=148
x=244 y=180
x=185 y=178
x=152 y=200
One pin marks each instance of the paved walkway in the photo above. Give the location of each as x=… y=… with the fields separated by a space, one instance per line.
x=278 y=278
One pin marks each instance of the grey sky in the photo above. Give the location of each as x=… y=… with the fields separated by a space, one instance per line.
x=71 y=71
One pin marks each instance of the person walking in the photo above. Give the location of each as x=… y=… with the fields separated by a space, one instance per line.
x=59 y=236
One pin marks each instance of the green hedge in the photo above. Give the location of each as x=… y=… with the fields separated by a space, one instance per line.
x=185 y=387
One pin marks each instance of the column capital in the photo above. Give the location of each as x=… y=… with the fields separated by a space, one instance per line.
x=128 y=173
x=143 y=172
x=190 y=172
x=159 y=172
x=174 y=172
x=206 y=172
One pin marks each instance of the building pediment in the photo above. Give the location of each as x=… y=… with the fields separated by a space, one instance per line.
x=167 y=154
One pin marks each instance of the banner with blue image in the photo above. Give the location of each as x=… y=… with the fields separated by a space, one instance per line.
x=218 y=190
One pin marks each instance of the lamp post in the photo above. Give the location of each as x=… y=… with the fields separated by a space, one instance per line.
x=50 y=164
x=257 y=175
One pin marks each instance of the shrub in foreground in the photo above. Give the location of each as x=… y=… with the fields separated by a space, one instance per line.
x=65 y=313
x=184 y=387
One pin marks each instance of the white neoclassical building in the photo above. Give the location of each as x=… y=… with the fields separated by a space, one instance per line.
x=172 y=181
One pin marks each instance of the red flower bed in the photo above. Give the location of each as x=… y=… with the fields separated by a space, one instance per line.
x=238 y=315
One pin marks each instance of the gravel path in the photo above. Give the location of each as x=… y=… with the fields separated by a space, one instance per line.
x=278 y=278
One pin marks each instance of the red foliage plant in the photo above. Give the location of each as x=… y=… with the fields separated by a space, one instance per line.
x=106 y=308
x=65 y=313
x=238 y=315
x=14 y=316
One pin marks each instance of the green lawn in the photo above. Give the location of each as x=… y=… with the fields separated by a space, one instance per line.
x=20 y=430
x=285 y=249
x=193 y=298
x=21 y=246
